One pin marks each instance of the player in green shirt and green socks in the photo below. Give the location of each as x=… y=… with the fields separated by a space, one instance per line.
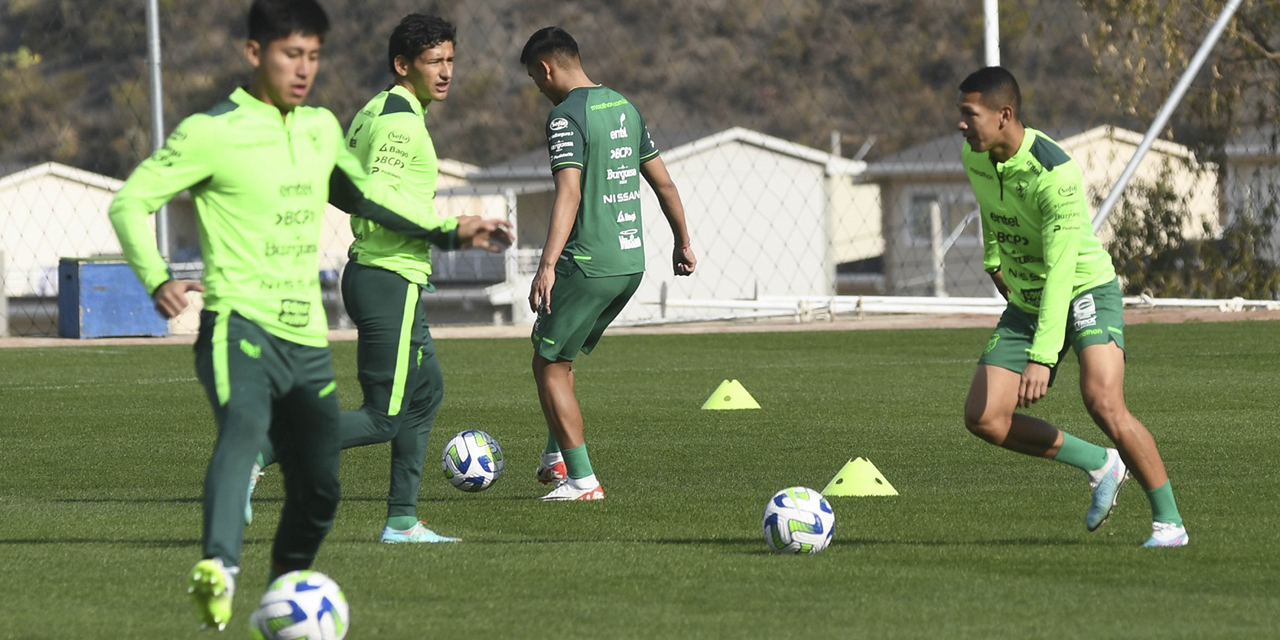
x=383 y=282
x=260 y=168
x=593 y=259
x=1042 y=254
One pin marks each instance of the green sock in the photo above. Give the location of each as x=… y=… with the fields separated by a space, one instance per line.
x=401 y=523
x=577 y=462
x=1163 y=506
x=1080 y=454
x=552 y=445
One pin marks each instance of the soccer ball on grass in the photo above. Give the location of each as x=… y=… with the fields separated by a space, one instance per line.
x=798 y=520
x=301 y=605
x=472 y=460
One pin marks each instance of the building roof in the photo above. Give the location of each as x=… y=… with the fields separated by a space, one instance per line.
x=72 y=174
x=535 y=165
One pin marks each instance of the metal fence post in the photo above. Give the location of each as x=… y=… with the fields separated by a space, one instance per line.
x=4 y=301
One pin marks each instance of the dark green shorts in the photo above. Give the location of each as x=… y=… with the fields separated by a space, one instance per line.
x=1096 y=316
x=581 y=309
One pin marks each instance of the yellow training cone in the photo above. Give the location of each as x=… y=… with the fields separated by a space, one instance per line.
x=730 y=395
x=859 y=478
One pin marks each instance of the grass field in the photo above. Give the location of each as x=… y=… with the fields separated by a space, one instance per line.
x=104 y=449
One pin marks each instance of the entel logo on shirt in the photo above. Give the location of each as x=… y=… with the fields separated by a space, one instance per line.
x=558 y=124
x=621 y=131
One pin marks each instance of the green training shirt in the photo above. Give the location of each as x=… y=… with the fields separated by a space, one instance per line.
x=260 y=183
x=597 y=130
x=1036 y=231
x=390 y=138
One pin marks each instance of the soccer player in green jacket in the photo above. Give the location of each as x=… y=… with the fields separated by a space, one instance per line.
x=260 y=168
x=1043 y=256
x=383 y=282
x=593 y=259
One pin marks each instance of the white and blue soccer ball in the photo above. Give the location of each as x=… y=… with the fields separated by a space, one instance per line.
x=472 y=460
x=798 y=520
x=301 y=605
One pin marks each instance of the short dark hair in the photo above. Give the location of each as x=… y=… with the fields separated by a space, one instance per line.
x=271 y=20
x=417 y=33
x=549 y=41
x=997 y=86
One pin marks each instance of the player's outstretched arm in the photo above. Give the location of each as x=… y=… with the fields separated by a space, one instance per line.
x=352 y=190
x=489 y=234
x=655 y=173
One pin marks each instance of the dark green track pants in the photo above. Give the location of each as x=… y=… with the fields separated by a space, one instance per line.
x=399 y=374
x=267 y=392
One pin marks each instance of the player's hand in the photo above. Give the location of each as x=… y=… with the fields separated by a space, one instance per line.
x=683 y=260
x=171 y=297
x=1034 y=384
x=489 y=234
x=540 y=292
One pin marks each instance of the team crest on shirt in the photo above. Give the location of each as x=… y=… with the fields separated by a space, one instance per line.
x=314 y=135
x=1021 y=189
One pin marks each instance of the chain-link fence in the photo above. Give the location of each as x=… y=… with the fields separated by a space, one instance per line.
x=813 y=141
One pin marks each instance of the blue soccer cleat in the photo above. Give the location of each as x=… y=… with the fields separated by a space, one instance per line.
x=1106 y=483
x=416 y=534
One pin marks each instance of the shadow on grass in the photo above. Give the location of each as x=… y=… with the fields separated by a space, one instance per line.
x=755 y=542
x=191 y=542
x=125 y=500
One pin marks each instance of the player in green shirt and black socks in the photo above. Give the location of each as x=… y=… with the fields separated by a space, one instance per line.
x=593 y=259
x=1042 y=254
x=383 y=283
x=260 y=168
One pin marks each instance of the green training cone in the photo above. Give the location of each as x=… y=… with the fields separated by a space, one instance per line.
x=730 y=395
x=859 y=478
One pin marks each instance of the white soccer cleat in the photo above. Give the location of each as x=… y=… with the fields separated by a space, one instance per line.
x=1105 y=483
x=566 y=490
x=1167 y=534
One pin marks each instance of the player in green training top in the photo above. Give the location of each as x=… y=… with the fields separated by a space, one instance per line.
x=383 y=283
x=593 y=258
x=1044 y=258
x=260 y=168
